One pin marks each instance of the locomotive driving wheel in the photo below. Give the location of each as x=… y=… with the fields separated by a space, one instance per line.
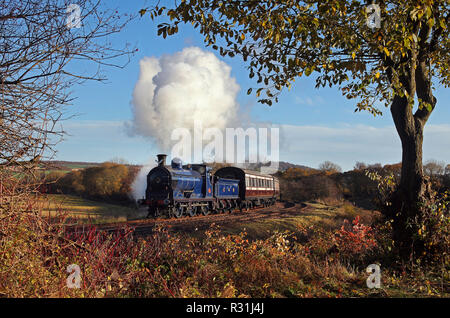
x=178 y=211
x=203 y=210
x=191 y=212
x=229 y=207
x=222 y=207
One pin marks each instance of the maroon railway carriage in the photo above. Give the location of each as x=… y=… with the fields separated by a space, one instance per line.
x=255 y=188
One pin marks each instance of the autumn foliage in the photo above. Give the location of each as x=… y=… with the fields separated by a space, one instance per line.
x=355 y=238
x=308 y=262
x=108 y=181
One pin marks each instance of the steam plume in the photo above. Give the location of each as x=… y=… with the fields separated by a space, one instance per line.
x=175 y=90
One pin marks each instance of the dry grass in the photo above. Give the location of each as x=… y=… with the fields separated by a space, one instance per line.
x=317 y=214
x=34 y=255
x=83 y=210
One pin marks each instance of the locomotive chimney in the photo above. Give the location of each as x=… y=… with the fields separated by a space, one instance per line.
x=161 y=160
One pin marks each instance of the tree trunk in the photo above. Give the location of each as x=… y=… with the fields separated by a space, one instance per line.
x=414 y=190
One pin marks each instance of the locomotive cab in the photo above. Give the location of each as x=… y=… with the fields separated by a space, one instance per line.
x=205 y=172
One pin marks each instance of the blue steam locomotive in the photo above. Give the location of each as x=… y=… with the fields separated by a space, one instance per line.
x=187 y=190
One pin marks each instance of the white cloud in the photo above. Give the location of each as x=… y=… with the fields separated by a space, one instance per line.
x=307 y=145
x=311 y=145
x=309 y=101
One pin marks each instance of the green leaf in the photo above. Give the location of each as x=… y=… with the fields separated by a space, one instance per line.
x=308 y=71
x=258 y=92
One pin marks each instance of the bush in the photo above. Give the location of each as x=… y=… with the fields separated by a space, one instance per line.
x=109 y=181
x=309 y=187
x=355 y=240
x=434 y=231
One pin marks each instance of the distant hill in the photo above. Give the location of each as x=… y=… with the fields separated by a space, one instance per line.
x=68 y=165
x=282 y=166
x=73 y=165
x=286 y=165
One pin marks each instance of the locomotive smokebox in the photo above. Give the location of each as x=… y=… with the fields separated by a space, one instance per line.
x=161 y=160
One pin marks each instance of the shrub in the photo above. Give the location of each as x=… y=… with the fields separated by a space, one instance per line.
x=355 y=239
x=310 y=187
x=434 y=231
x=109 y=181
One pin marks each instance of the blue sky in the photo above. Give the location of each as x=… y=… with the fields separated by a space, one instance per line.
x=317 y=124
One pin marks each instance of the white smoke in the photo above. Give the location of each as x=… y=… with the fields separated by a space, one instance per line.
x=175 y=90
x=140 y=182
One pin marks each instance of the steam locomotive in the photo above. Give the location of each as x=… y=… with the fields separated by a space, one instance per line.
x=181 y=190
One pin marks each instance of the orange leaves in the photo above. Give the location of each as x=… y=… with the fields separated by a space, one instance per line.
x=355 y=239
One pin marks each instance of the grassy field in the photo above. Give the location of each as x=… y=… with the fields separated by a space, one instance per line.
x=327 y=216
x=320 y=214
x=85 y=211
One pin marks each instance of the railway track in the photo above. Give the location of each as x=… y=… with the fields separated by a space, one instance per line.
x=145 y=226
